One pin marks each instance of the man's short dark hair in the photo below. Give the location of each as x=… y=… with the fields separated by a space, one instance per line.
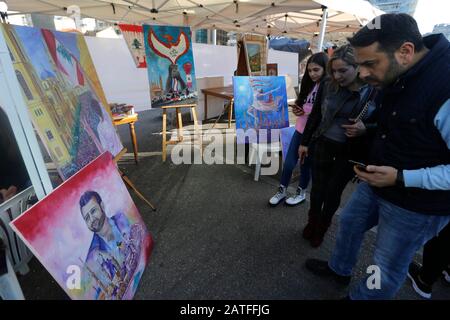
x=87 y=196
x=390 y=31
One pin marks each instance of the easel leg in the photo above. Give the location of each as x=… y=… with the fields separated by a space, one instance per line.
x=197 y=128
x=164 y=138
x=218 y=119
x=131 y=185
x=179 y=125
x=134 y=140
x=230 y=114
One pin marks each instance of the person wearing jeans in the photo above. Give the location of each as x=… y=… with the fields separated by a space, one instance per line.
x=400 y=234
x=406 y=186
x=315 y=72
x=290 y=162
x=435 y=262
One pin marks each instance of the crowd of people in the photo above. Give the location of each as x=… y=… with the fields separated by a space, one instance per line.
x=377 y=112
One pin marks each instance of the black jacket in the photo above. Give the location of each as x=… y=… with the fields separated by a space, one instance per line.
x=407 y=138
x=322 y=117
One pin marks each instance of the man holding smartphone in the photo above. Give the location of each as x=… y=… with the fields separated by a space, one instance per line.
x=406 y=186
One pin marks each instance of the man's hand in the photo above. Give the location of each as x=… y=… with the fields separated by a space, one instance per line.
x=354 y=130
x=298 y=111
x=302 y=153
x=378 y=176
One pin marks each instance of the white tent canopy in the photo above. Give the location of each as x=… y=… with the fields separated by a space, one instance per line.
x=298 y=18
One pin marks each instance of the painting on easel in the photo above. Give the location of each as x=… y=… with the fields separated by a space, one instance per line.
x=256 y=50
x=64 y=97
x=170 y=65
x=89 y=234
x=260 y=103
x=134 y=37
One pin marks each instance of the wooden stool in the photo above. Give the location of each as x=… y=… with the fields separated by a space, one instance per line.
x=179 y=125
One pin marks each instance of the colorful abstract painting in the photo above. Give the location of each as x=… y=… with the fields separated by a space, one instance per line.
x=63 y=94
x=170 y=65
x=286 y=135
x=89 y=235
x=260 y=103
x=134 y=37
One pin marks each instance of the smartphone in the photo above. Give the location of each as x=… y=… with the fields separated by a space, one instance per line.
x=361 y=166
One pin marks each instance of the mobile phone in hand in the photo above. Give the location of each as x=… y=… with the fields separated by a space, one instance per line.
x=361 y=166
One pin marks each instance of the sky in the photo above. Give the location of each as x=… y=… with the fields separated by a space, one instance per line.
x=431 y=12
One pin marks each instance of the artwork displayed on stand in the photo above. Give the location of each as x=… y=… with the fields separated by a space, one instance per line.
x=260 y=103
x=272 y=69
x=134 y=37
x=64 y=97
x=89 y=234
x=256 y=49
x=286 y=135
x=170 y=65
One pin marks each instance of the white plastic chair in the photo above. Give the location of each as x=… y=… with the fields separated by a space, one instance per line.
x=17 y=253
x=257 y=152
x=9 y=285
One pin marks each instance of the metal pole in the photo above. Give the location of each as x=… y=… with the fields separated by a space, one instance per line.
x=322 y=28
x=214 y=36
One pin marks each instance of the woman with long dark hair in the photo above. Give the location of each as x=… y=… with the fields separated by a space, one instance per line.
x=332 y=128
x=314 y=74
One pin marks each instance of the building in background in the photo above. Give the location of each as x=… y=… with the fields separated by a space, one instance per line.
x=442 y=28
x=206 y=36
x=201 y=36
x=393 y=6
x=221 y=37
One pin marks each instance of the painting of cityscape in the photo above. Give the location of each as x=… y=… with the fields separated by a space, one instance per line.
x=259 y=103
x=89 y=234
x=64 y=97
x=170 y=65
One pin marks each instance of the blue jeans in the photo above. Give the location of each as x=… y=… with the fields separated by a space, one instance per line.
x=400 y=234
x=291 y=161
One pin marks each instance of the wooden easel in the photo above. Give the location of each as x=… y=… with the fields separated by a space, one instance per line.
x=128 y=181
x=177 y=108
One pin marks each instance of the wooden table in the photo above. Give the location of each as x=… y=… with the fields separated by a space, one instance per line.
x=221 y=92
x=131 y=119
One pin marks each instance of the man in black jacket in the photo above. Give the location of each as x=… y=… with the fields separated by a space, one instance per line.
x=406 y=188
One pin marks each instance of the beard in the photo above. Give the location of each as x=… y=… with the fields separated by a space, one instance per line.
x=394 y=70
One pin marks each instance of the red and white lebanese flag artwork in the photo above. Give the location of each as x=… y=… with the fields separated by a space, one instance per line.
x=64 y=59
x=134 y=37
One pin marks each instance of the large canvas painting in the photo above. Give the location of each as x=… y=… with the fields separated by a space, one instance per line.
x=64 y=97
x=134 y=37
x=89 y=235
x=170 y=65
x=260 y=103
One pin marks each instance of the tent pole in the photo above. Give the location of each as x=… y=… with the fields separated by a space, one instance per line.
x=322 y=28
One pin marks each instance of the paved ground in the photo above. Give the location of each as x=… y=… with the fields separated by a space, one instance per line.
x=215 y=237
